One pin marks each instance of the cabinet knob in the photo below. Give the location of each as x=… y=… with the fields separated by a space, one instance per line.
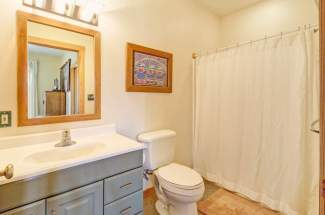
x=53 y=212
x=8 y=171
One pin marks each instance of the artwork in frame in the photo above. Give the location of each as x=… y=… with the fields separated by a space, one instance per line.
x=148 y=70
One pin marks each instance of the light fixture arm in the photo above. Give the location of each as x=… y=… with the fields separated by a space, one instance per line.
x=85 y=11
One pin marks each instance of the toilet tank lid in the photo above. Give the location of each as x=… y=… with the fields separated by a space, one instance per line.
x=152 y=136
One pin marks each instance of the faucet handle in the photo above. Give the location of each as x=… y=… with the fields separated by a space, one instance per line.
x=66 y=134
x=66 y=131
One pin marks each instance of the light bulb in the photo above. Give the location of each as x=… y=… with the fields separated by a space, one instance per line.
x=60 y=6
x=86 y=14
x=91 y=9
x=39 y=3
x=81 y=3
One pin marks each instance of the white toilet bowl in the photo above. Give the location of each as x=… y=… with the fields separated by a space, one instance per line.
x=178 y=189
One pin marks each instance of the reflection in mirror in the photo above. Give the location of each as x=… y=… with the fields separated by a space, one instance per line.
x=59 y=71
x=61 y=74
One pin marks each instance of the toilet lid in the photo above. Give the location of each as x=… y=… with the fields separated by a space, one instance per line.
x=180 y=175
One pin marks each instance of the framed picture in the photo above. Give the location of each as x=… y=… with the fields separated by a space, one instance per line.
x=148 y=70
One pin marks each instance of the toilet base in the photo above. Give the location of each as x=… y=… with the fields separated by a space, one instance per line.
x=182 y=209
x=176 y=209
x=161 y=208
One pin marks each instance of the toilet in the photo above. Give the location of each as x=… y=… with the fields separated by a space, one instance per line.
x=177 y=187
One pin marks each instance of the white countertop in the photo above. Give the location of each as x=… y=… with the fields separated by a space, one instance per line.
x=111 y=144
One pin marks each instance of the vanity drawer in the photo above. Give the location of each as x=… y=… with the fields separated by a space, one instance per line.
x=37 y=208
x=129 y=205
x=122 y=185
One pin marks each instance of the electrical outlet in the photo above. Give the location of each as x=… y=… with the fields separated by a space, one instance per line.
x=91 y=97
x=5 y=119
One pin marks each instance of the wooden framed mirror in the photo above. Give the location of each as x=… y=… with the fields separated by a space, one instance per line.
x=59 y=71
x=322 y=109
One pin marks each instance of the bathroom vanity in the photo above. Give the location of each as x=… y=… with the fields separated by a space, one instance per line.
x=101 y=174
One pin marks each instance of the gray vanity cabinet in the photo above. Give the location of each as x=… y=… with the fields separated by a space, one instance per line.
x=129 y=205
x=122 y=185
x=37 y=208
x=111 y=186
x=83 y=201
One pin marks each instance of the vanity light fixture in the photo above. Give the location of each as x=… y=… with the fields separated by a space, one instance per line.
x=39 y=3
x=29 y=2
x=91 y=10
x=62 y=7
x=82 y=10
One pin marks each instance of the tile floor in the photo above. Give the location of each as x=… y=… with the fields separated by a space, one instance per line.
x=149 y=202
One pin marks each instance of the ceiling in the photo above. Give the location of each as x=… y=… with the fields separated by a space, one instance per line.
x=219 y=7
x=224 y=7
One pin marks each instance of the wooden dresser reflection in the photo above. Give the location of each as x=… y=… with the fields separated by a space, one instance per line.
x=55 y=103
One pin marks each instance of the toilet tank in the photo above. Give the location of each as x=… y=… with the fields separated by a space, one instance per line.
x=160 y=148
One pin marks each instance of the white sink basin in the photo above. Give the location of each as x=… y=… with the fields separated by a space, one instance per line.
x=60 y=154
x=34 y=154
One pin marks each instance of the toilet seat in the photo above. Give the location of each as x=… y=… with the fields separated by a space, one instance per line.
x=180 y=179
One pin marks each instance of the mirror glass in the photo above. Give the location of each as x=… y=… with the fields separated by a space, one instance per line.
x=61 y=72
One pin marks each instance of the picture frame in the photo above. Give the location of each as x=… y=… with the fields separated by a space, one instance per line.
x=148 y=70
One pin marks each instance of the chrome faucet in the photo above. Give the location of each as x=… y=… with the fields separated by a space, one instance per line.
x=66 y=139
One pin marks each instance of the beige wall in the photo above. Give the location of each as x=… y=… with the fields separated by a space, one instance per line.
x=267 y=18
x=180 y=27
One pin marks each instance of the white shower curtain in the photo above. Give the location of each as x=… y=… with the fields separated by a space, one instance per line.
x=253 y=108
x=33 y=96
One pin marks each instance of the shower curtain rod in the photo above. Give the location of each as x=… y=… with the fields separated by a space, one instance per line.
x=306 y=27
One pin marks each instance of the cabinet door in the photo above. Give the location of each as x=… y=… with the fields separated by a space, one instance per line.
x=37 y=208
x=87 y=200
